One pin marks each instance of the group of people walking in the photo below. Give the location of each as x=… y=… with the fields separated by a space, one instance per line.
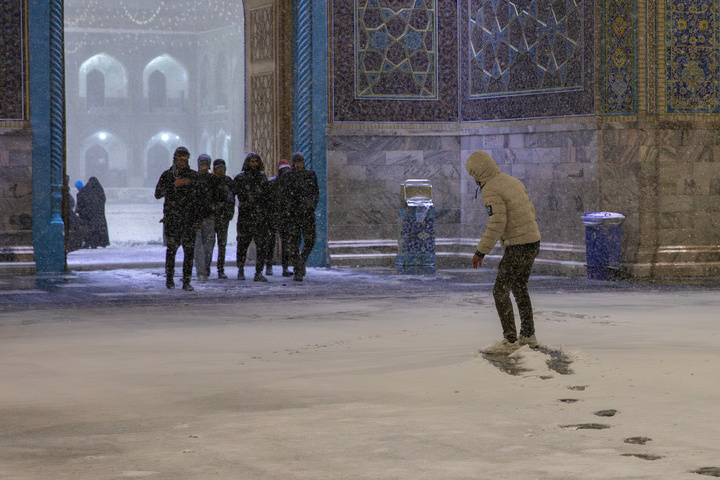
x=199 y=206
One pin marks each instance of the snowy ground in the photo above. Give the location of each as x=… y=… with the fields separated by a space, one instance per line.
x=366 y=383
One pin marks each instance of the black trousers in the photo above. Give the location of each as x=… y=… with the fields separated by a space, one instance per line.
x=221 y=232
x=302 y=231
x=284 y=235
x=513 y=275
x=175 y=237
x=246 y=233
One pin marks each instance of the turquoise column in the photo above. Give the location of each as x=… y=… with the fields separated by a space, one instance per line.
x=47 y=116
x=310 y=106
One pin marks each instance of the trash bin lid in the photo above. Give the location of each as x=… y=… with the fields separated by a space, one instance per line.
x=602 y=218
x=417 y=192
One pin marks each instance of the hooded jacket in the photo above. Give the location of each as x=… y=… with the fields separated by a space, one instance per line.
x=251 y=188
x=510 y=210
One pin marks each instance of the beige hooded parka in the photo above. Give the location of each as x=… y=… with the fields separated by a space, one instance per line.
x=512 y=214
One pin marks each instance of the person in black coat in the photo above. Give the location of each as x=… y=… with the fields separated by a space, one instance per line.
x=91 y=210
x=300 y=193
x=183 y=213
x=278 y=223
x=224 y=212
x=250 y=186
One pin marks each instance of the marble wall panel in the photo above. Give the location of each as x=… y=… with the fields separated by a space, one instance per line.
x=413 y=157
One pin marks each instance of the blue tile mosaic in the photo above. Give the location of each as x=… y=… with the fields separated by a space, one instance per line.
x=12 y=61
x=517 y=47
x=416 y=241
x=692 y=35
x=396 y=49
x=619 y=65
x=526 y=58
x=394 y=60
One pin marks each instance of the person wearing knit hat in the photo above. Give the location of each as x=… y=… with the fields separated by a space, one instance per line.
x=223 y=213
x=512 y=222
x=183 y=212
x=205 y=235
x=204 y=159
x=278 y=222
x=299 y=190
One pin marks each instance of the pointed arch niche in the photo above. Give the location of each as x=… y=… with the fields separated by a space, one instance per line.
x=105 y=156
x=165 y=84
x=102 y=81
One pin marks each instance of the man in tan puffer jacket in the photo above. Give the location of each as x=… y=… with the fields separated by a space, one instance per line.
x=512 y=221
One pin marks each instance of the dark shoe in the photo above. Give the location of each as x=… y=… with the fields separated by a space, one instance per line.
x=187 y=287
x=259 y=278
x=170 y=283
x=241 y=275
x=287 y=273
x=221 y=275
x=297 y=277
x=268 y=270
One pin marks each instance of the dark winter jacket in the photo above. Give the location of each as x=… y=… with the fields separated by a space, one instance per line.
x=184 y=206
x=225 y=211
x=299 y=192
x=251 y=188
x=211 y=188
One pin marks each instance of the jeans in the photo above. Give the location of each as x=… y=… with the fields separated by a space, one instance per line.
x=513 y=275
x=204 y=245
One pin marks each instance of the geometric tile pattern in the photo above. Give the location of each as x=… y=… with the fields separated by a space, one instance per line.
x=619 y=82
x=396 y=49
x=260 y=23
x=394 y=60
x=262 y=131
x=526 y=59
x=12 y=61
x=693 y=36
x=416 y=245
x=523 y=46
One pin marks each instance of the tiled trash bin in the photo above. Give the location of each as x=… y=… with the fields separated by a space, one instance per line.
x=416 y=243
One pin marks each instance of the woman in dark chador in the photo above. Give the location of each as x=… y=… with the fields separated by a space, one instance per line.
x=91 y=209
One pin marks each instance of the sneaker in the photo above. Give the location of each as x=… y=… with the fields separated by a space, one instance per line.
x=202 y=279
x=187 y=287
x=259 y=278
x=287 y=273
x=503 y=347
x=297 y=277
x=222 y=276
x=241 y=275
x=530 y=341
x=170 y=283
x=268 y=270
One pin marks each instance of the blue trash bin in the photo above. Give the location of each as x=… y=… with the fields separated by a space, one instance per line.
x=603 y=238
